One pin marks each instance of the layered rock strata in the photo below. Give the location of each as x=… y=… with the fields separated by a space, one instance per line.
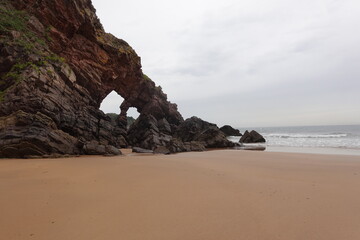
x=57 y=64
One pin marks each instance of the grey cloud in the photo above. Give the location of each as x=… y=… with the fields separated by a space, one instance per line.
x=264 y=62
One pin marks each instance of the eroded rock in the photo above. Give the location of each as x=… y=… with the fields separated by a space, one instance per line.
x=55 y=71
x=34 y=134
x=252 y=137
x=61 y=65
x=197 y=130
x=230 y=131
x=141 y=150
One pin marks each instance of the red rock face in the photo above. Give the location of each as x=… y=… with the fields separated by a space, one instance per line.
x=101 y=62
x=62 y=80
x=57 y=65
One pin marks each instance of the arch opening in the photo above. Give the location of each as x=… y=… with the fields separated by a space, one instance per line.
x=111 y=106
x=132 y=113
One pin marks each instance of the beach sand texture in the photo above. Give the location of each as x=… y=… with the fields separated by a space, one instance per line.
x=214 y=195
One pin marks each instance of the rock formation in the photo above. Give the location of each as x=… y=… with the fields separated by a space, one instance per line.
x=57 y=65
x=141 y=150
x=196 y=130
x=193 y=134
x=230 y=131
x=252 y=137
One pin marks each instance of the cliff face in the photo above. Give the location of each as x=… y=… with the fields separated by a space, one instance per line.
x=57 y=65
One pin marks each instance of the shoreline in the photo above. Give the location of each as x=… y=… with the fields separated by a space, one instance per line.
x=314 y=150
x=127 y=152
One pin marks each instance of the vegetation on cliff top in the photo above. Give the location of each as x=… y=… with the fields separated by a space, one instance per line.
x=13 y=22
x=146 y=77
x=16 y=34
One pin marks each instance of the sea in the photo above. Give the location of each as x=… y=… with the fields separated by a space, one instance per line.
x=339 y=139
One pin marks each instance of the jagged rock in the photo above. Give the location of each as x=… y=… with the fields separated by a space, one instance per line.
x=122 y=143
x=164 y=126
x=195 y=146
x=230 y=131
x=162 y=150
x=193 y=134
x=57 y=65
x=141 y=150
x=25 y=134
x=208 y=134
x=145 y=133
x=62 y=64
x=175 y=145
x=252 y=137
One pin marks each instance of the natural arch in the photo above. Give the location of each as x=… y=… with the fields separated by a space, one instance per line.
x=55 y=106
x=110 y=105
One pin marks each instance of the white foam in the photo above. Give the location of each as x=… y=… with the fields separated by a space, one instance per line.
x=296 y=135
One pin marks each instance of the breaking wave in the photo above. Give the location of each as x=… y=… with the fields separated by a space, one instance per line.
x=286 y=135
x=344 y=137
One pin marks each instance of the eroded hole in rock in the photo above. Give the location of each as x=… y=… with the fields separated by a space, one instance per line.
x=132 y=115
x=111 y=107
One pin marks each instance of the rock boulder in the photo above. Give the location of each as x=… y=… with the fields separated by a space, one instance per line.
x=230 y=131
x=252 y=137
x=141 y=150
x=197 y=130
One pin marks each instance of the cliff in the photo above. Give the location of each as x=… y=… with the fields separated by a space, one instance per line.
x=56 y=66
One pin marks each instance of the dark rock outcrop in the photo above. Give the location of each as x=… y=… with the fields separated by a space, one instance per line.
x=57 y=64
x=25 y=134
x=94 y=148
x=141 y=150
x=196 y=130
x=252 y=137
x=147 y=132
x=193 y=134
x=230 y=131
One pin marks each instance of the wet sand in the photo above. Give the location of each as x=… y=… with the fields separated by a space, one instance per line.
x=314 y=150
x=225 y=194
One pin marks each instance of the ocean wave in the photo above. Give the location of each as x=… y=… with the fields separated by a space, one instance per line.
x=286 y=135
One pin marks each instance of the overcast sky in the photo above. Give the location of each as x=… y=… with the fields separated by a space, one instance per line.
x=247 y=62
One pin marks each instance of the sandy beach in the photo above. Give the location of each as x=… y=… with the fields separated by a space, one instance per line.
x=223 y=194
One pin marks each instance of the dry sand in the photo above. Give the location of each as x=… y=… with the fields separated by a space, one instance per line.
x=220 y=195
